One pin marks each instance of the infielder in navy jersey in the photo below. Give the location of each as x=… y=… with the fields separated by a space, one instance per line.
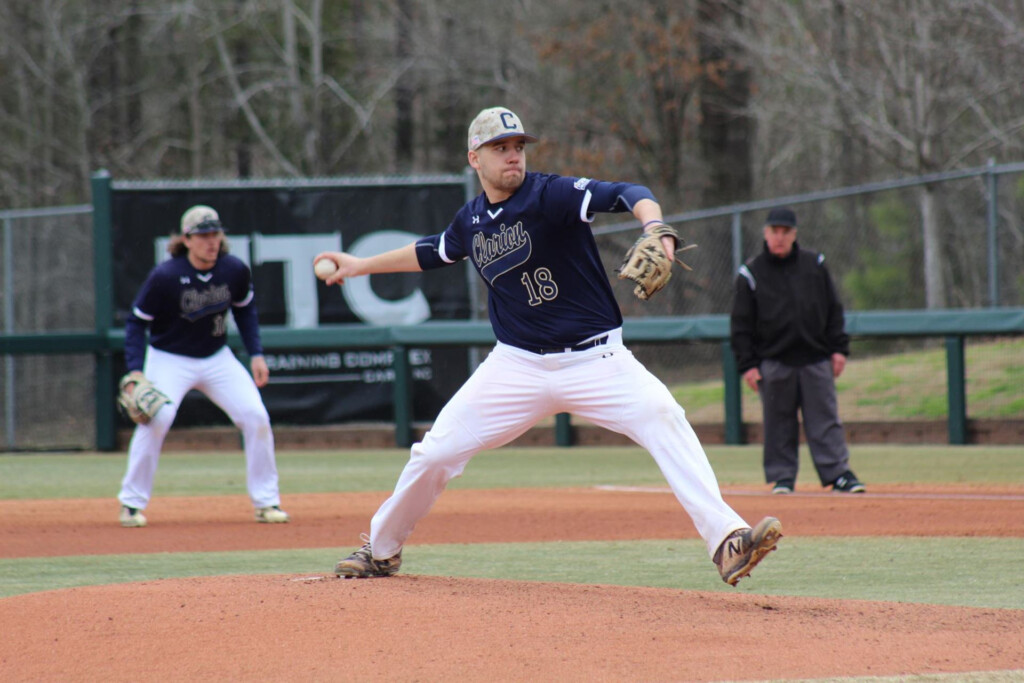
x=559 y=332
x=185 y=303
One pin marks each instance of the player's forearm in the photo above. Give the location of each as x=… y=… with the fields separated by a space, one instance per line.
x=646 y=211
x=401 y=260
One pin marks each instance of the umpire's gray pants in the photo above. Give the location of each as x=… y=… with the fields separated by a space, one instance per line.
x=784 y=389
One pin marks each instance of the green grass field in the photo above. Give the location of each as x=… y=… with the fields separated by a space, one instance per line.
x=964 y=571
x=897 y=386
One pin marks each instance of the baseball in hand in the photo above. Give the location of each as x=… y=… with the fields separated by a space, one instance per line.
x=324 y=268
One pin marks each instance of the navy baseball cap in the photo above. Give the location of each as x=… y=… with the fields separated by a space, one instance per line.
x=200 y=219
x=494 y=124
x=781 y=216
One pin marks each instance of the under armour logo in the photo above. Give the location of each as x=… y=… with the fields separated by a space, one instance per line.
x=184 y=280
x=476 y=220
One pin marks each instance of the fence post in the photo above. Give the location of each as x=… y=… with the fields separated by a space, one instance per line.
x=992 y=221
x=402 y=396
x=103 y=276
x=733 y=399
x=957 y=421
x=737 y=241
x=10 y=419
x=563 y=429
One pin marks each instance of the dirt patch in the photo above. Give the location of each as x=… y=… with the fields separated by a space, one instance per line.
x=316 y=627
x=41 y=528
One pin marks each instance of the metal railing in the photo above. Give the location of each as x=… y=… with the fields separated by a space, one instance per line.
x=953 y=326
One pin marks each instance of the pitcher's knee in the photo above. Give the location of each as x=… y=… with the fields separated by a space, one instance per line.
x=432 y=458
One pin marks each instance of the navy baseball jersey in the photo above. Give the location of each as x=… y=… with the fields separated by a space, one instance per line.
x=546 y=284
x=186 y=310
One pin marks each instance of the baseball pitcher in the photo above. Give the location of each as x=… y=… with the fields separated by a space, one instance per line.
x=559 y=332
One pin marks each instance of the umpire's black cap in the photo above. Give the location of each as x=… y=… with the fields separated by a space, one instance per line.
x=782 y=215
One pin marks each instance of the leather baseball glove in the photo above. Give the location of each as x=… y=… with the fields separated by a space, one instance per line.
x=646 y=263
x=141 y=403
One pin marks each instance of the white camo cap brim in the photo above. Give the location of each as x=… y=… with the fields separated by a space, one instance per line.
x=200 y=219
x=494 y=124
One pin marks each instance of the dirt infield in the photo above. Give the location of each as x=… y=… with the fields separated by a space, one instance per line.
x=311 y=628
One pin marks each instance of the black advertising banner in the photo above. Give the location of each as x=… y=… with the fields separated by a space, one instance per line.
x=277 y=229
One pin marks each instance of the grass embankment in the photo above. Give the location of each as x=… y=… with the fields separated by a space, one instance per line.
x=904 y=386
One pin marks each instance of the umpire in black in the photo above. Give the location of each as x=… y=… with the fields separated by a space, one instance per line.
x=787 y=332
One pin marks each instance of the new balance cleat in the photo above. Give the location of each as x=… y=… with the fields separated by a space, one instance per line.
x=743 y=549
x=362 y=565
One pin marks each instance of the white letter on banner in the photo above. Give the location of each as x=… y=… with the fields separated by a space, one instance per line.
x=296 y=252
x=365 y=303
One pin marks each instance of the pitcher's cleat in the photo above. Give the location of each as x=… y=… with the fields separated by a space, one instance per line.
x=132 y=517
x=744 y=548
x=361 y=565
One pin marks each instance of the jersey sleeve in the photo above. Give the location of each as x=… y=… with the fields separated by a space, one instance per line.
x=149 y=301
x=582 y=198
x=247 y=319
x=243 y=308
x=241 y=284
x=453 y=243
x=134 y=342
x=437 y=251
x=146 y=307
x=608 y=197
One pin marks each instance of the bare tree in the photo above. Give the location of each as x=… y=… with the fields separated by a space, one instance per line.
x=726 y=130
x=924 y=91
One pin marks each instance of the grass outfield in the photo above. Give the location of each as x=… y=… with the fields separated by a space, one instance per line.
x=960 y=571
x=94 y=475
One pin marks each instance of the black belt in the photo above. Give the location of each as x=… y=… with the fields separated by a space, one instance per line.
x=600 y=341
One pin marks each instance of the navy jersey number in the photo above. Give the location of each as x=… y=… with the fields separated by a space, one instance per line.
x=541 y=287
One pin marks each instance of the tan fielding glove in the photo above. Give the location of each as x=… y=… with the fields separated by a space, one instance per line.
x=646 y=263
x=141 y=403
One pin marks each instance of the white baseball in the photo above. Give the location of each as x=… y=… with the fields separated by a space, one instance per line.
x=324 y=268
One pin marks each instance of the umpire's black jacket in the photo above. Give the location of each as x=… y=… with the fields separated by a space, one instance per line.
x=786 y=309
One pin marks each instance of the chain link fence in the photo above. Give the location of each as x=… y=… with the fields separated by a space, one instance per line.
x=46 y=267
x=871 y=238
x=873 y=244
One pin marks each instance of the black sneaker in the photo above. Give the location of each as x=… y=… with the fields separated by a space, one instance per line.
x=783 y=487
x=848 y=483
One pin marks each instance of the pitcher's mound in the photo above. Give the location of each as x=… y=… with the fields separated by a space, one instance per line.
x=318 y=627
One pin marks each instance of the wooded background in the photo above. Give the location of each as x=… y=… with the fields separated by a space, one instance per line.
x=708 y=102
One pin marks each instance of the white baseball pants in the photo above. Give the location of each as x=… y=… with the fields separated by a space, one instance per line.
x=513 y=389
x=227 y=383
